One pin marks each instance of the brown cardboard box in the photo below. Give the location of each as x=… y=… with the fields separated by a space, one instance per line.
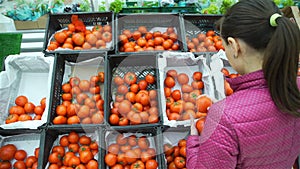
x=38 y=24
x=292 y=12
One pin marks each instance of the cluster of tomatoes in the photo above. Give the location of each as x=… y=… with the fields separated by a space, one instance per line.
x=143 y=40
x=176 y=155
x=23 y=110
x=96 y=38
x=205 y=42
x=131 y=152
x=74 y=151
x=12 y=157
x=81 y=101
x=133 y=103
x=185 y=101
x=228 y=89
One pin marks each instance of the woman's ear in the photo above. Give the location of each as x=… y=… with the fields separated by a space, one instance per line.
x=234 y=45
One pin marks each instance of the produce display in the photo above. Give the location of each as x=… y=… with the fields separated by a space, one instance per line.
x=135 y=103
x=13 y=157
x=183 y=102
x=131 y=152
x=81 y=101
x=204 y=42
x=126 y=95
x=74 y=150
x=24 y=110
x=77 y=36
x=144 y=40
x=175 y=155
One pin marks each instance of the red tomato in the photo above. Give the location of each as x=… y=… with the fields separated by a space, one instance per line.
x=179 y=162
x=110 y=159
x=7 y=152
x=169 y=82
x=182 y=78
x=176 y=94
x=210 y=33
x=130 y=78
x=20 y=155
x=151 y=164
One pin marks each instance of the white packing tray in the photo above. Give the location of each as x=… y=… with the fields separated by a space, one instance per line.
x=26 y=75
x=188 y=64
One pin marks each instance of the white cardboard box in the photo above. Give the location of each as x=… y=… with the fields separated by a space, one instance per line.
x=26 y=75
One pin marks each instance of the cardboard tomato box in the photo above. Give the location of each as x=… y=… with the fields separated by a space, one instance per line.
x=79 y=66
x=143 y=100
x=29 y=76
x=40 y=23
x=181 y=97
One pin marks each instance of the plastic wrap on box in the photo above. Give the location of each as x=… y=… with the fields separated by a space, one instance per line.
x=172 y=136
x=59 y=22
x=29 y=76
x=51 y=136
x=67 y=65
x=216 y=64
x=153 y=22
x=141 y=65
x=194 y=24
x=188 y=64
x=109 y=45
x=110 y=138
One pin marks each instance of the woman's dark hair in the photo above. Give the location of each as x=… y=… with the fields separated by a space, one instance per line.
x=249 y=20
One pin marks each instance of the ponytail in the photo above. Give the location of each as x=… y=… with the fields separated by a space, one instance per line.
x=278 y=37
x=280 y=66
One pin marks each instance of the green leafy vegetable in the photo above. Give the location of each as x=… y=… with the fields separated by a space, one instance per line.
x=116 y=6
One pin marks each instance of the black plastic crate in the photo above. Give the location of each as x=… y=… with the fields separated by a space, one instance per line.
x=171 y=136
x=50 y=137
x=151 y=20
x=58 y=22
x=73 y=65
x=152 y=134
x=27 y=140
x=140 y=65
x=193 y=24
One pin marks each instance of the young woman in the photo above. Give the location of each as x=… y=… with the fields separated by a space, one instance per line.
x=258 y=126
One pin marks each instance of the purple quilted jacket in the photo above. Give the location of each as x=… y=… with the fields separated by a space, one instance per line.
x=246 y=130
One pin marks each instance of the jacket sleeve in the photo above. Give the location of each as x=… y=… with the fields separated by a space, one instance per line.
x=217 y=146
